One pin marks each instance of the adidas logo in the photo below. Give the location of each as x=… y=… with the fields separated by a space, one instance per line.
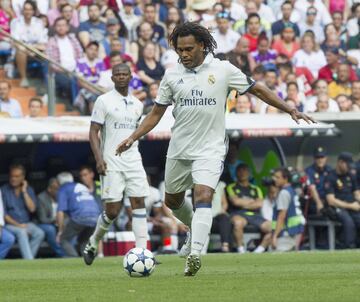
x=181 y=81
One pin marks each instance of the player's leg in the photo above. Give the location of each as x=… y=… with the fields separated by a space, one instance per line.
x=239 y=224
x=139 y=221
x=112 y=187
x=265 y=228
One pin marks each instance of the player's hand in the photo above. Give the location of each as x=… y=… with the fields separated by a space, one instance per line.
x=22 y=225
x=24 y=186
x=297 y=116
x=354 y=206
x=124 y=145
x=101 y=167
x=58 y=236
x=274 y=242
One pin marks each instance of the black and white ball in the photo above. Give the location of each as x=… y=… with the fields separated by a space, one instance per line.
x=139 y=262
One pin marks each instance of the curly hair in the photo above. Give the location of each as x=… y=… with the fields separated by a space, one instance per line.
x=200 y=33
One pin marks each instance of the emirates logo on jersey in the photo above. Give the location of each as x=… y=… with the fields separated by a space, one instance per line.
x=211 y=79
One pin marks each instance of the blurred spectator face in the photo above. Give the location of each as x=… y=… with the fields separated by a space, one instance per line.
x=311 y=15
x=113 y=29
x=44 y=20
x=86 y=177
x=173 y=15
x=61 y=28
x=16 y=177
x=330 y=29
x=322 y=104
x=279 y=179
x=169 y=2
x=344 y=103
x=28 y=11
x=4 y=91
x=242 y=173
x=218 y=7
x=150 y=14
x=357 y=12
x=53 y=188
x=94 y=13
x=226 y=3
x=355 y=90
x=263 y=46
x=242 y=46
x=342 y=166
x=251 y=7
x=292 y=91
x=290 y=77
x=337 y=19
x=109 y=14
x=35 y=107
x=286 y=10
x=146 y=31
x=288 y=34
x=253 y=26
x=128 y=8
x=67 y=12
x=331 y=58
x=223 y=25
x=343 y=73
x=321 y=87
x=149 y=51
x=115 y=45
x=308 y=44
x=92 y=52
x=153 y=90
x=320 y=161
x=270 y=79
x=60 y=3
x=272 y=192
x=333 y=40
x=115 y=60
x=243 y=104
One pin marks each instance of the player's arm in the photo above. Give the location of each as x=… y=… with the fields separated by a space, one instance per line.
x=95 y=147
x=60 y=223
x=241 y=202
x=335 y=202
x=150 y=121
x=265 y=94
x=255 y=204
x=10 y=220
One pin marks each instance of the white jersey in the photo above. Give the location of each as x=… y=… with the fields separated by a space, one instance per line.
x=199 y=98
x=153 y=200
x=119 y=116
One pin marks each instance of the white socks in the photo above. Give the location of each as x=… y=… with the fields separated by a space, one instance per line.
x=102 y=226
x=200 y=227
x=184 y=213
x=174 y=242
x=139 y=227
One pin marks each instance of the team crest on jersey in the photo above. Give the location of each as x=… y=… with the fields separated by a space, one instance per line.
x=211 y=79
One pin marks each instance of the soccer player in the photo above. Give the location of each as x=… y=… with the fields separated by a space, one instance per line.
x=198 y=87
x=116 y=115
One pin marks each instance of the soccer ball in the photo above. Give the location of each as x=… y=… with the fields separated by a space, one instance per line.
x=139 y=262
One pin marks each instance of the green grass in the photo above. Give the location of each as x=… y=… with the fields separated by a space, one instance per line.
x=319 y=276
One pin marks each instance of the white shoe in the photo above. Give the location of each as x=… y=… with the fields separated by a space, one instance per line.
x=192 y=265
x=241 y=250
x=260 y=249
x=186 y=248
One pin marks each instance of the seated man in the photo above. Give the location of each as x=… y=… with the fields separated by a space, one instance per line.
x=343 y=193
x=19 y=203
x=75 y=200
x=7 y=239
x=7 y=104
x=316 y=174
x=35 y=107
x=46 y=215
x=245 y=202
x=288 y=221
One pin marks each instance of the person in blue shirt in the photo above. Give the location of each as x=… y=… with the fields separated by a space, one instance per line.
x=7 y=239
x=76 y=201
x=316 y=174
x=343 y=193
x=19 y=204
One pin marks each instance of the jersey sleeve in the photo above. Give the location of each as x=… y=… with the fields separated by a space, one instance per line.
x=283 y=200
x=238 y=80
x=259 y=193
x=230 y=190
x=99 y=112
x=329 y=185
x=165 y=95
x=62 y=200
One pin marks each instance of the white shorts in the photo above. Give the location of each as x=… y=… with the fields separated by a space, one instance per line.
x=133 y=183
x=182 y=174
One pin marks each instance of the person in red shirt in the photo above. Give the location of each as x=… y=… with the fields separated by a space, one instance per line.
x=333 y=58
x=252 y=30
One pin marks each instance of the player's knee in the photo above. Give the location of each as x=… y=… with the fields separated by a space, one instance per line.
x=112 y=212
x=173 y=202
x=203 y=194
x=137 y=203
x=266 y=227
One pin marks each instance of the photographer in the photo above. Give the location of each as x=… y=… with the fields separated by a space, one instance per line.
x=288 y=221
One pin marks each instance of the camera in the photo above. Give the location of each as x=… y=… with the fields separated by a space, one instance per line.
x=267 y=181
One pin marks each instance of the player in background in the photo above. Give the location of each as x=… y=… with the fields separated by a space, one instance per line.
x=198 y=87
x=116 y=115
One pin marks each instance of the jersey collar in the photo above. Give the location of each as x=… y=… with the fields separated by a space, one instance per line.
x=208 y=59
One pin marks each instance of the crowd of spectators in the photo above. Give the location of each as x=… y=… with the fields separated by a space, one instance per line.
x=277 y=207
x=294 y=47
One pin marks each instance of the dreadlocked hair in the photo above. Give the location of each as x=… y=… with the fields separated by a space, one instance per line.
x=200 y=33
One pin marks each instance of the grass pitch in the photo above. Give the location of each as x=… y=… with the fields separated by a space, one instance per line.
x=307 y=276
